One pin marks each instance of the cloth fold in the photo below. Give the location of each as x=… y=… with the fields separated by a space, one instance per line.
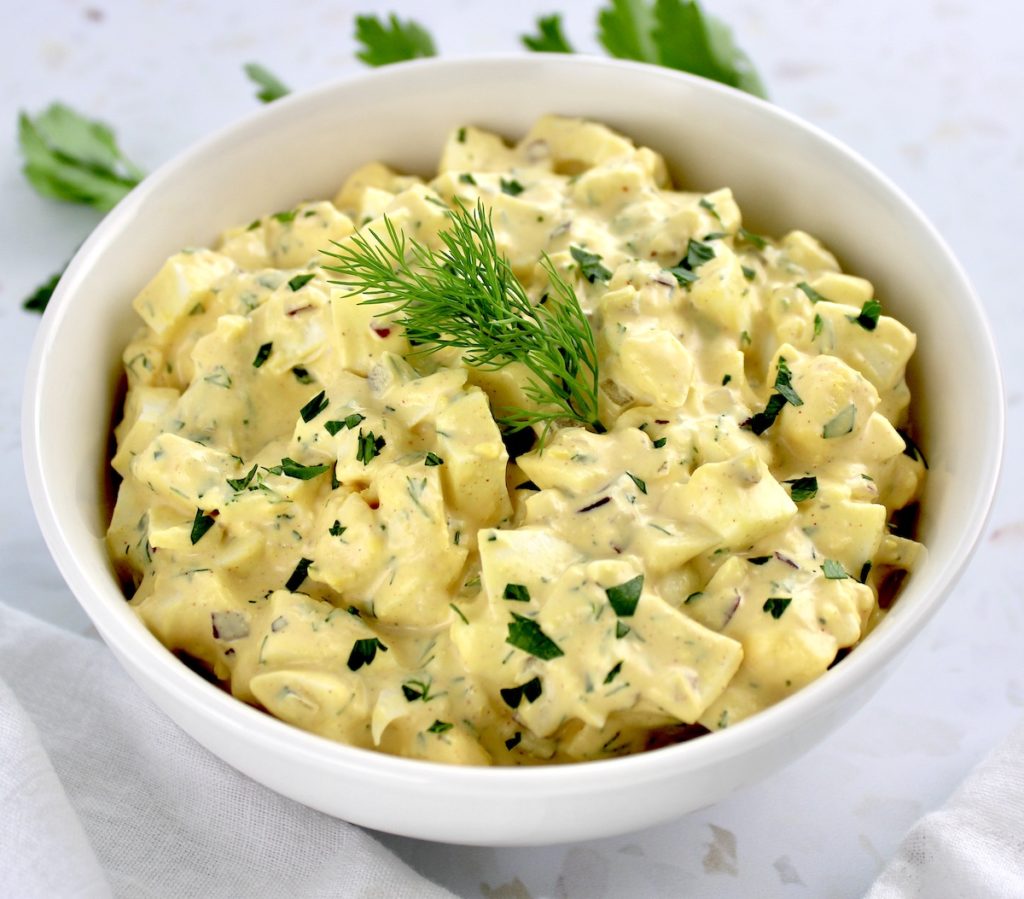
x=103 y=795
x=974 y=845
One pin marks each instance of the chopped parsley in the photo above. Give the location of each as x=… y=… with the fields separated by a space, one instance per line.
x=869 y=313
x=262 y=354
x=525 y=634
x=865 y=570
x=776 y=605
x=697 y=253
x=270 y=86
x=784 y=384
x=726 y=379
x=513 y=741
x=811 y=293
x=659 y=443
x=834 y=570
x=511 y=187
x=912 y=449
x=302 y=375
x=292 y=469
x=621 y=629
x=614 y=673
x=200 y=525
x=817 y=325
x=240 y=484
x=392 y=40
x=417 y=689
x=300 y=281
x=750 y=237
x=432 y=460
x=298 y=576
x=759 y=560
x=364 y=652
x=337 y=529
x=761 y=421
x=801 y=489
x=529 y=691
x=640 y=482
x=624 y=597
x=439 y=727
x=459 y=612
x=286 y=217
x=549 y=37
x=467 y=178
x=368 y=446
x=349 y=421
x=314 y=407
x=693 y=597
x=516 y=593
x=748 y=272
x=590 y=265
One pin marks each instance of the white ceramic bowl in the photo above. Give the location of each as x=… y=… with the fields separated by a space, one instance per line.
x=785 y=174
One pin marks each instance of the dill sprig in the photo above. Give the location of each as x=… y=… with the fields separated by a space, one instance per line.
x=467 y=296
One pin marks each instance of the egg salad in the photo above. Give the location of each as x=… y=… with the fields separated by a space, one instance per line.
x=403 y=515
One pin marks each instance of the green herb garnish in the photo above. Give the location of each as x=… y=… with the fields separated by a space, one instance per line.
x=298 y=576
x=364 y=652
x=302 y=375
x=525 y=634
x=776 y=605
x=513 y=741
x=368 y=446
x=812 y=294
x=869 y=313
x=432 y=460
x=439 y=727
x=467 y=178
x=912 y=449
x=624 y=597
x=549 y=37
x=516 y=592
x=39 y=299
x=349 y=421
x=621 y=629
x=759 y=560
x=300 y=281
x=511 y=187
x=200 y=525
x=693 y=597
x=697 y=253
x=659 y=443
x=314 y=407
x=262 y=354
x=761 y=421
x=640 y=482
x=417 y=689
x=750 y=237
x=614 y=673
x=784 y=384
x=240 y=484
x=529 y=691
x=801 y=489
x=590 y=265
x=468 y=297
x=292 y=469
x=69 y=157
x=393 y=41
x=270 y=86
x=677 y=34
x=337 y=529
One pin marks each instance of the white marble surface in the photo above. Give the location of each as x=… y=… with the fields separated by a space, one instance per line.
x=929 y=90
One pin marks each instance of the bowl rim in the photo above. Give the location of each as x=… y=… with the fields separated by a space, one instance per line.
x=129 y=637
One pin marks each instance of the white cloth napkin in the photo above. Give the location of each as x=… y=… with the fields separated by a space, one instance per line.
x=972 y=847
x=101 y=794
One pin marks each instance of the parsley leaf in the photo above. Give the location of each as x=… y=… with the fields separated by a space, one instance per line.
x=776 y=605
x=912 y=449
x=529 y=691
x=364 y=652
x=783 y=383
x=262 y=354
x=624 y=597
x=300 y=281
x=842 y=424
x=314 y=407
x=590 y=265
x=611 y=675
x=240 y=484
x=640 y=482
x=679 y=35
x=432 y=460
x=525 y=634
x=368 y=446
x=270 y=86
x=513 y=741
x=349 y=421
x=869 y=313
x=621 y=629
x=298 y=575
x=762 y=421
x=292 y=469
x=200 y=525
x=69 y=157
x=511 y=187
x=697 y=253
x=516 y=592
x=803 y=488
x=812 y=294
x=38 y=300
x=393 y=41
x=549 y=37
x=336 y=529
x=439 y=727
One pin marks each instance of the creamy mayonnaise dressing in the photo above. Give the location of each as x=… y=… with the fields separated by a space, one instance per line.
x=331 y=524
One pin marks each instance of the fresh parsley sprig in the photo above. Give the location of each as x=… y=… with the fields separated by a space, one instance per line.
x=549 y=37
x=468 y=297
x=392 y=40
x=270 y=86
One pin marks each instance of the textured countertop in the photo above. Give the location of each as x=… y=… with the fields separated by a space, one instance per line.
x=927 y=90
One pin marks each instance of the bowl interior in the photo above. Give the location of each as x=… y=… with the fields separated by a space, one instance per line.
x=784 y=174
